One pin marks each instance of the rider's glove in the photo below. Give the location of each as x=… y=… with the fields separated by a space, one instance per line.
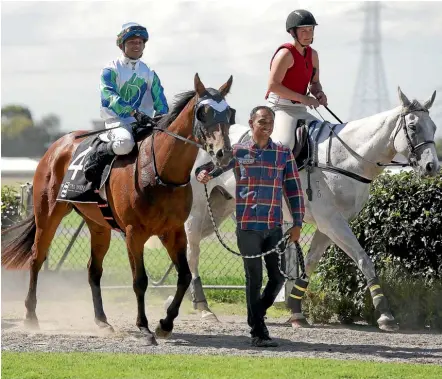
x=157 y=118
x=142 y=118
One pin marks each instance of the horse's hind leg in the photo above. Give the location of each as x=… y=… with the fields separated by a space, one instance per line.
x=48 y=217
x=175 y=243
x=100 y=241
x=319 y=244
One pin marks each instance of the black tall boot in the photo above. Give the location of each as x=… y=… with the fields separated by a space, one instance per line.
x=94 y=166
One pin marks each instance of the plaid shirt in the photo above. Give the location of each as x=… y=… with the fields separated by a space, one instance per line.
x=261 y=175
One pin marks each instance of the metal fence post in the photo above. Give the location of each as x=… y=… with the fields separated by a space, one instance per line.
x=69 y=247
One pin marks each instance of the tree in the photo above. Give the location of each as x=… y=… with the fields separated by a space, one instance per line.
x=21 y=135
x=16 y=119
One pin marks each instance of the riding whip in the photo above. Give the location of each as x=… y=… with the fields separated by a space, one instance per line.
x=336 y=117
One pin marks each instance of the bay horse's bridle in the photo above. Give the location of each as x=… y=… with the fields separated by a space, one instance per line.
x=221 y=113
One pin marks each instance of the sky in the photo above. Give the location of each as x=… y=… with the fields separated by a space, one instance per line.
x=52 y=52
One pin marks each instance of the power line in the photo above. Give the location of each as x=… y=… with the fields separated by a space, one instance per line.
x=370 y=93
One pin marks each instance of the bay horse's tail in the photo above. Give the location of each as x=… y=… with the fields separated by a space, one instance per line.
x=17 y=251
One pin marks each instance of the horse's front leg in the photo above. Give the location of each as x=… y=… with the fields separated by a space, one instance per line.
x=175 y=242
x=199 y=300
x=333 y=224
x=135 y=239
x=100 y=241
x=337 y=228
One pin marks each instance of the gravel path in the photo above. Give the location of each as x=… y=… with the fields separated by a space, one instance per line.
x=67 y=326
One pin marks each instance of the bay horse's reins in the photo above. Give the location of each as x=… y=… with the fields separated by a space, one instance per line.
x=155 y=170
x=181 y=138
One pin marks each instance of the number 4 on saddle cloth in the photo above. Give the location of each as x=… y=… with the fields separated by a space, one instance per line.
x=75 y=188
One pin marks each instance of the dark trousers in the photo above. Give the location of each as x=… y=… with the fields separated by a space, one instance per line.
x=251 y=242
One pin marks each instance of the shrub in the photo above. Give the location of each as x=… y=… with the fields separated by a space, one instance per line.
x=10 y=206
x=400 y=228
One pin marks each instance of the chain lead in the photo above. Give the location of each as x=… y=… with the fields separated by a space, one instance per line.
x=280 y=247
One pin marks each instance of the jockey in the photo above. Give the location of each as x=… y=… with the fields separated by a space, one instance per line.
x=131 y=92
x=294 y=69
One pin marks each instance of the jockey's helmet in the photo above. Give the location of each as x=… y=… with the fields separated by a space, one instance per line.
x=299 y=18
x=132 y=29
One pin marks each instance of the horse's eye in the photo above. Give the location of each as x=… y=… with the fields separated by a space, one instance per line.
x=210 y=114
x=200 y=114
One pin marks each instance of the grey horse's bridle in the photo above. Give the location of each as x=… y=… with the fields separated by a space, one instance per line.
x=412 y=159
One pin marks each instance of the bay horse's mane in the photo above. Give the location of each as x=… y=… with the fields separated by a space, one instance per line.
x=180 y=101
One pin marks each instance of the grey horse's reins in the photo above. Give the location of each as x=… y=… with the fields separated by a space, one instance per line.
x=402 y=125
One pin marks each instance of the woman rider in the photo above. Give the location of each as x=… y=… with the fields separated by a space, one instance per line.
x=294 y=69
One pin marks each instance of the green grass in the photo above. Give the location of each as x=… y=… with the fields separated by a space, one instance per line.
x=98 y=365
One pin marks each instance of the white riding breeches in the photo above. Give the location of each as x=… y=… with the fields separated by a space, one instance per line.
x=123 y=141
x=287 y=115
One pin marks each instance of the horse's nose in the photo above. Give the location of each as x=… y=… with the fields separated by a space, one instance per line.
x=429 y=167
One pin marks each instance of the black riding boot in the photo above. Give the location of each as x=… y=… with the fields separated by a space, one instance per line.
x=97 y=160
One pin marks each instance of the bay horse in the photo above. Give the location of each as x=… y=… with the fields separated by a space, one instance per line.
x=349 y=158
x=142 y=206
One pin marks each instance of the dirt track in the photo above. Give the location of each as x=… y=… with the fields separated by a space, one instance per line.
x=66 y=324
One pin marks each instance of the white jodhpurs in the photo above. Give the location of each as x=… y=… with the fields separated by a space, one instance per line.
x=123 y=141
x=286 y=119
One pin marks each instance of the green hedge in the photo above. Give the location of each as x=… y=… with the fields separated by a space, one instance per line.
x=10 y=206
x=401 y=230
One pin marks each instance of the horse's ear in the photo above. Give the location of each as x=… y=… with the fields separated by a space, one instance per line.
x=404 y=100
x=430 y=101
x=199 y=86
x=225 y=88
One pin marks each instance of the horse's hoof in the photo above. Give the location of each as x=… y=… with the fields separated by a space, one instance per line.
x=161 y=333
x=387 y=323
x=150 y=338
x=31 y=324
x=301 y=323
x=104 y=326
x=208 y=316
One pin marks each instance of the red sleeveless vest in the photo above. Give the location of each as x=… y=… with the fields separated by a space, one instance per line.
x=297 y=77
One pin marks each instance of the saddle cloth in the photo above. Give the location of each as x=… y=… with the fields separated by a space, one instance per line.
x=75 y=188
